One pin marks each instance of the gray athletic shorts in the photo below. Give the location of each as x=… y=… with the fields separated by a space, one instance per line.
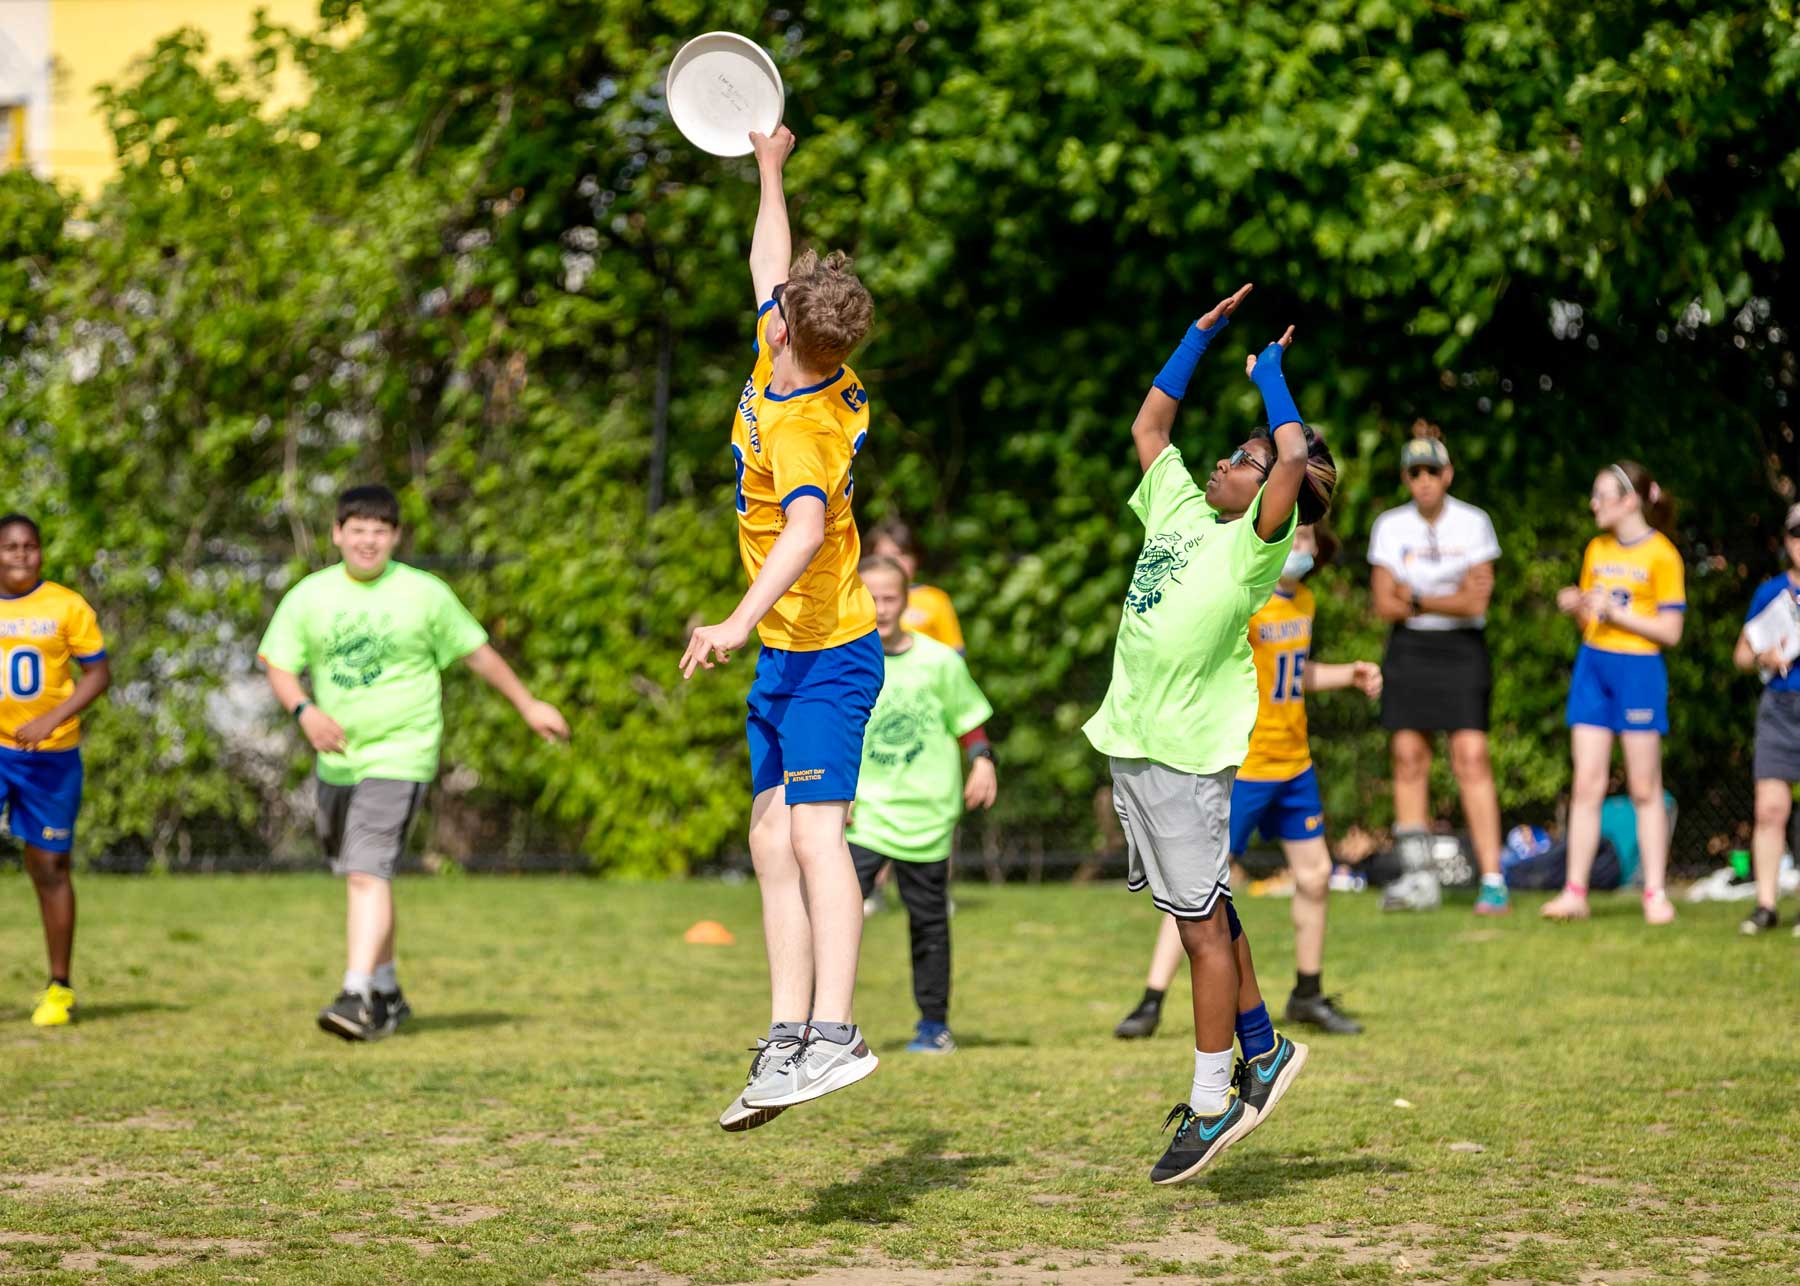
x=362 y=828
x=1778 y=737
x=1177 y=833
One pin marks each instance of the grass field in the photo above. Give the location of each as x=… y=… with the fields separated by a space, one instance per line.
x=1588 y=1103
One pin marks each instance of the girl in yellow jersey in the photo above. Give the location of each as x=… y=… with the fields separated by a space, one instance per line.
x=1630 y=604
x=43 y=627
x=1276 y=790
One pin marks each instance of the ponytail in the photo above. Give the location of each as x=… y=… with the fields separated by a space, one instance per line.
x=1658 y=505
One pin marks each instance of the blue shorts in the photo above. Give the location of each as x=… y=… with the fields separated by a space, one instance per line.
x=42 y=793
x=1619 y=691
x=1288 y=809
x=807 y=715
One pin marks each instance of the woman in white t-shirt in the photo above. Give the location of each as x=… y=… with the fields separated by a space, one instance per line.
x=1433 y=573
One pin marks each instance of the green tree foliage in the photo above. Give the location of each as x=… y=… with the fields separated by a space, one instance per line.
x=477 y=261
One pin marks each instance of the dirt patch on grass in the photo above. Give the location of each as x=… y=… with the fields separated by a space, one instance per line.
x=363 y=1239
x=451 y=1216
x=10 y=1238
x=94 y=1261
x=50 y=1182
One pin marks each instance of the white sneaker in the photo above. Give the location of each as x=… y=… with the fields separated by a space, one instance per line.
x=816 y=1069
x=1414 y=891
x=769 y=1056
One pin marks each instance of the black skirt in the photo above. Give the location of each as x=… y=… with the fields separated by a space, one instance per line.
x=1436 y=681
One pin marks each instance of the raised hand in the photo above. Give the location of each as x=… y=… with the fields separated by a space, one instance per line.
x=773 y=149
x=1281 y=345
x=1221 y=312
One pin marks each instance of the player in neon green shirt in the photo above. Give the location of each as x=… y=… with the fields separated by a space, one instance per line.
x=1177 y=716
x=911 y=792
x=373 y=636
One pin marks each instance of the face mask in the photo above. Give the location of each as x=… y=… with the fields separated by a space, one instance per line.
x=1297 y=565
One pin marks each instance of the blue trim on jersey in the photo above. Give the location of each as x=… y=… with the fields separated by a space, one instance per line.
x=89 y=660
x=798 y=492
x=42 y=793
x=1671 y=607
x=756 y=326
x=27 y=594
x=802 y=392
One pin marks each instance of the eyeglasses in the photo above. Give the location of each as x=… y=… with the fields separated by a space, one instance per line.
x=1243 y=455
x=1417 y=469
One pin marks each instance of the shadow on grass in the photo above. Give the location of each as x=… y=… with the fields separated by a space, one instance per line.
x=86 y=1013
x=457 y=1022
x=882 y=1193
x=1259 y=1176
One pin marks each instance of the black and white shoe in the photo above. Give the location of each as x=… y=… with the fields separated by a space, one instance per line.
x=398 y=1011
x=766 y=1057
x=1758 y=921
x=1199 y=1139
x=1140 y=1022
x=1261 y=1081
x=1321 y=1012
x=354 y=1016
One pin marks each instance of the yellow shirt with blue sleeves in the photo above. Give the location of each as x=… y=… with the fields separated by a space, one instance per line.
x=1642 y=578
x=1280 y=641
x=785 y=446
x=40 y=633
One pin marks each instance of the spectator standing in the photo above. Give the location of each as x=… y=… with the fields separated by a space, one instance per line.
x=1432 y=574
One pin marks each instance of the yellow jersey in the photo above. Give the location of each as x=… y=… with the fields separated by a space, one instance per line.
x=1643 y=578
x=40 y=633
x=1280 y=640
x=785 y=446
x=928 y=612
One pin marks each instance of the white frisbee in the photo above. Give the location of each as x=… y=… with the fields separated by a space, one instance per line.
x=721 y=86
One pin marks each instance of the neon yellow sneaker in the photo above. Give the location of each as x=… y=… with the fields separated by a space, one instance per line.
x=54 y=1007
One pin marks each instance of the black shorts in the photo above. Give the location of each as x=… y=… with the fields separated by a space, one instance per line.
x=1436 y=681
x=1778 y=737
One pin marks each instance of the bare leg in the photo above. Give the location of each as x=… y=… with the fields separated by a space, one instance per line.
x=56 y=903
x=1213 y=965
x=787 y=936
x=1643 y=778
x=1310 y=861
x=1774 y=805
x=368 y=923
x=1249 y=995
x=1590 y=749
x=1412 y=780
x=833 y=905
x=1167 y=955
x=1480 y=800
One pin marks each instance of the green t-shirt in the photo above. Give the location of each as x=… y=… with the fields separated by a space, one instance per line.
x=375 y=649
x=909 y=796
x=1183 y=689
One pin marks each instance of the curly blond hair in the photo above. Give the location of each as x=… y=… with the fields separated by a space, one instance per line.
x=828 y=310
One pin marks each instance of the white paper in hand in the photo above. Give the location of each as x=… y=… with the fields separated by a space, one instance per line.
x=1776 y=627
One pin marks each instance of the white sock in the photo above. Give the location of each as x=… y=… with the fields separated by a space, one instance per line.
x=362 y=984
x=1212 y=1078
x=384 y=978
x=1494 y=881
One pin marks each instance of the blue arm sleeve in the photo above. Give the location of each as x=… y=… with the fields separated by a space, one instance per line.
x=1277 y=401
x=1179 y=369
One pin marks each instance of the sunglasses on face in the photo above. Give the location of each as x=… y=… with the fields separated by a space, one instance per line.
x=1419 y=469
x=1794 y=531
x=1243 y=455
x=775 y=296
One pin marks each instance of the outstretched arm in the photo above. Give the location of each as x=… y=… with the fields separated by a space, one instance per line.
x=1282 y=487
x=1156 y=417
x=771 y=244
x=540 y=716
x=1324 y=676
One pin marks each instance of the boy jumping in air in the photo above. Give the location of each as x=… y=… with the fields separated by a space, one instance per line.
x=43 y=627
x=799 y=423
x=374 y=634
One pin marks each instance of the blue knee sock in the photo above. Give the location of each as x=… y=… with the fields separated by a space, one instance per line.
x=1255 y=1033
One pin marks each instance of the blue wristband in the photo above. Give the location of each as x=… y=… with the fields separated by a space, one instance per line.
x=1179 y=369
x=1277 y=401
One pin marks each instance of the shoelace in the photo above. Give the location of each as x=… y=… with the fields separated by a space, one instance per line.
x=779 y=1042
x=1186 y=1115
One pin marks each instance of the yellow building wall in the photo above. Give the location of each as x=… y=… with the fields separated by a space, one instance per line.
x=95 y=41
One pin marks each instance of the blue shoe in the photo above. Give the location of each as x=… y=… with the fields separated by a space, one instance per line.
x=1492 y=900
x=932 y=1038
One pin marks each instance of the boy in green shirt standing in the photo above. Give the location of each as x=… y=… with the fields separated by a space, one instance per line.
x=911 y=792
x=1177 y=716
x=374 y=634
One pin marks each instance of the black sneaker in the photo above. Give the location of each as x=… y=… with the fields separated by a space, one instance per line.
x=1199 y=1139
x=354 y=1016
x=1321 y=1011
x=1140 y=1022
x=1261 y=1081
x=1758 y=921
x=398 y=1011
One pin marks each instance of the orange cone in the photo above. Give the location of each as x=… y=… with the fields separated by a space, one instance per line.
x=708 y=933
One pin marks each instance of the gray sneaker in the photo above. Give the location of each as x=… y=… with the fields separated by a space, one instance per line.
x=815 y=1069
x=769 y=1055
x=1414 y=891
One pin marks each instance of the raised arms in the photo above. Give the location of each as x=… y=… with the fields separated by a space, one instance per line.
x=1156 y=417
x=771 y=244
